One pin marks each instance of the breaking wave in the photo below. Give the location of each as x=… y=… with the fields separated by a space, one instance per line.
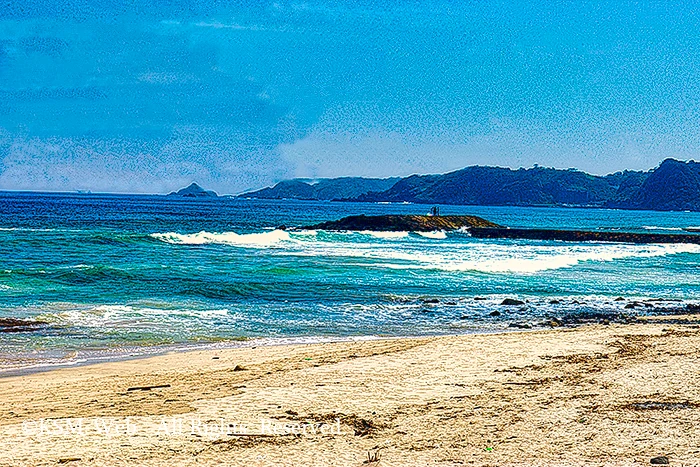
x=379 y=249
x=259 y=240
x=654 y=227
x=387 y=235
x=488 y=258
x=438 y=234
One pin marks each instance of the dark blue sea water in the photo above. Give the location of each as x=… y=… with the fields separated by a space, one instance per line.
x=109 y=273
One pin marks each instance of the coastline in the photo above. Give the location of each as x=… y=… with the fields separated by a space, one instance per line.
x=525 y=313
x=121 y=354
x=617 y=395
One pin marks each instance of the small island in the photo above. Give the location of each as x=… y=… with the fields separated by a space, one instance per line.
x=194 y=191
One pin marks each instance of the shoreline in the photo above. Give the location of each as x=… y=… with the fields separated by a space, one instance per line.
x=651 y=309
x=100 y=356
x=115 y=355
x=615 y=395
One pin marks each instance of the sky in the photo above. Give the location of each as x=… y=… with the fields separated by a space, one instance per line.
x=148 y=96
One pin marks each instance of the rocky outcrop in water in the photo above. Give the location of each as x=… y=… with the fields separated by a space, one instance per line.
x=403 y=223
x=482 y=228
x=19 y=325
x=582 y=235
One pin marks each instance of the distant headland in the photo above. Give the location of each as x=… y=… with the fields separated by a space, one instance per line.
x=672 y=186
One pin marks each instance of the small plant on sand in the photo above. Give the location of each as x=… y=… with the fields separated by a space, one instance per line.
x=373 y=457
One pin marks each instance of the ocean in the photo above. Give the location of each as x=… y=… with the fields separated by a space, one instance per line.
x=118 y=275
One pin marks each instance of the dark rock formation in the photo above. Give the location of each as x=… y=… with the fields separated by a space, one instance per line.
x=19 y=325
x=581 y=235
x=512 y=302
x=482 y=228
x=591 y=317
x=194 y=191
x=403 y=223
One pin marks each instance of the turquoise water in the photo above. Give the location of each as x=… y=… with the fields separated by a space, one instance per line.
x=110 y=273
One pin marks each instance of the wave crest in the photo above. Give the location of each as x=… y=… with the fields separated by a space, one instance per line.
x=656 y=227
x=383 y=234
x=258 y=240
x=438 y=234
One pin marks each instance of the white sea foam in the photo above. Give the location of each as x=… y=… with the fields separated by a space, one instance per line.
x=486 y=257
x=122 y=315
x=438 y=234
x=255 y=240
x=452 y=255
x=654 y=227
x=305 y=233
x=387 y=235
x=532 y=260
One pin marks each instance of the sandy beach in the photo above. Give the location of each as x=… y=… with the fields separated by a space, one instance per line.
x=599 y=395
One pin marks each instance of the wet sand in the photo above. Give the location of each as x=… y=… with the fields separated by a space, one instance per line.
x=613 y=395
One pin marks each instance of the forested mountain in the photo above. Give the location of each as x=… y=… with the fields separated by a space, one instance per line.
x=673 y=185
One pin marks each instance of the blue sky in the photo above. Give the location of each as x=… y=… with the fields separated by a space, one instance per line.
x=148 y=96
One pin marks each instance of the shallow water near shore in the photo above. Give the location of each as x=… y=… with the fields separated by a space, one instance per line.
x=109 y=273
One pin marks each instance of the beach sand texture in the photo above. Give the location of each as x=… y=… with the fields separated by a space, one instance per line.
x=594 y=395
